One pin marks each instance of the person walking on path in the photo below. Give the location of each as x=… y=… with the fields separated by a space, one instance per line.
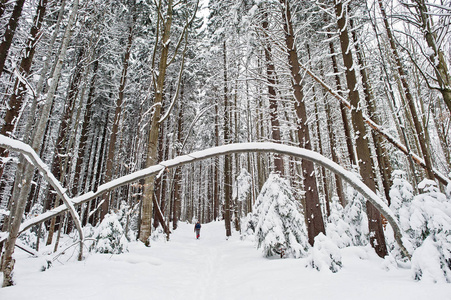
x=197 y=229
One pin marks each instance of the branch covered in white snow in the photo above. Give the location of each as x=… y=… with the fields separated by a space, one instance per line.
x=349 y=177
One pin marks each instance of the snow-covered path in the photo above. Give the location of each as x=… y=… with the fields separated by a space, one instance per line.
x=213 y=268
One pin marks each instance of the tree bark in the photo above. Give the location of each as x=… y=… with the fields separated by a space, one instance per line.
x=227 y=162
x=20 y=88
x=377 y=238
x=436 y=57
x=344 y=114
x=419 y=128
x=152 y=144
x=117 y=114
x=381 y=151
x=271 y=78
x=9 y=33
x=312 y=213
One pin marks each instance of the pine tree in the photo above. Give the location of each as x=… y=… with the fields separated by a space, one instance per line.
x=280 y=227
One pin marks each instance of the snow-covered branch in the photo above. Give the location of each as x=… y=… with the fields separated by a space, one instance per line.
x=35 y=160
x=438 y=175
x=349 y=177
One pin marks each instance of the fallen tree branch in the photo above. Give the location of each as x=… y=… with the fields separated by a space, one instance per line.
x=438 y=175
x=36 y=161
x=348 y=176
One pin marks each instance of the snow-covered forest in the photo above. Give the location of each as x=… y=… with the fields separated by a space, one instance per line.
x=308 y=128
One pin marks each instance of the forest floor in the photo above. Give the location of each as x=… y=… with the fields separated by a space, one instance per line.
x=213 y=268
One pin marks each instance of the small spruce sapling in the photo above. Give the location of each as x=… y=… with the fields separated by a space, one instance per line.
x=109 y=236
x=430 y=223
x=280 y=226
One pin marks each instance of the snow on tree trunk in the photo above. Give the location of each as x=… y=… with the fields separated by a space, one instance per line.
x=280 y=227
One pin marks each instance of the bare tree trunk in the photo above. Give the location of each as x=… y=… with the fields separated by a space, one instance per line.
x=152 y=144
x=117 y=114
x=419 y=128
x=20 y=88
x=312 y=213
x=84 y=133
x=216 y=166
x=271 y=78
x=437 y=57
x=344 y=114
x=381 y=152
x=227 y=162
x=9 y=33
x=28 y=170
x=377 y=238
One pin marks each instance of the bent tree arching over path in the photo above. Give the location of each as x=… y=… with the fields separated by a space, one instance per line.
x=349 y=177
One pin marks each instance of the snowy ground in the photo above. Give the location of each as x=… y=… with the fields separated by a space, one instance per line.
x=213 y=268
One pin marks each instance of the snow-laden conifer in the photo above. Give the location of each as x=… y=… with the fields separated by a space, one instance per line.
x=430 y=222
x=355 y=215
x=426 y=222
x=324 y=254
x=109 y=236
x=280 y=226
x=337 y=228
x=242 y=187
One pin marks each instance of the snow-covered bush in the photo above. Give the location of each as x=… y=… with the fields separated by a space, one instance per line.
x=354 y=214
x=337 y=229
x=242 y=186
x=248 y=225
x=29 y=236
x=280 y=227
x=109 y=236
x=426 y=223
x=401 y=196
x=324 y=255
x=430 y=222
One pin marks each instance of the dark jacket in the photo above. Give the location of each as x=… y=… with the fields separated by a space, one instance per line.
x=197 y=226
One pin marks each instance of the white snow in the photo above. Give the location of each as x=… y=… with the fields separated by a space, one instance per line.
x=212 y=268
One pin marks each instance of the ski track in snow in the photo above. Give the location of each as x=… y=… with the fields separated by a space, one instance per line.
x=212 y=268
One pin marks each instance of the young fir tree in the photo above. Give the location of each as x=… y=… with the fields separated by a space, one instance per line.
x=430 y=231
x=110 y=236
x=280 y=227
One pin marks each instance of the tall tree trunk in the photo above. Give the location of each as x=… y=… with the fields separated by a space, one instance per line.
x=152 y=143
x=272 y=80
x=333 y=150
x=381 y=151
x=7 y=260
x=419 y=128
x=377 y=238
x=84 y=134
x=343 y=110
x=9 y=33
x=227 y=162
x=177 y=197
x=61 y=146
x=436 y=56
x=312 y=213
x=117 y=115
x=20 y=88
x=216 y=166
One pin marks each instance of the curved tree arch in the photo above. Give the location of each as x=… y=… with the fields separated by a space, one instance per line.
x=317 y=158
